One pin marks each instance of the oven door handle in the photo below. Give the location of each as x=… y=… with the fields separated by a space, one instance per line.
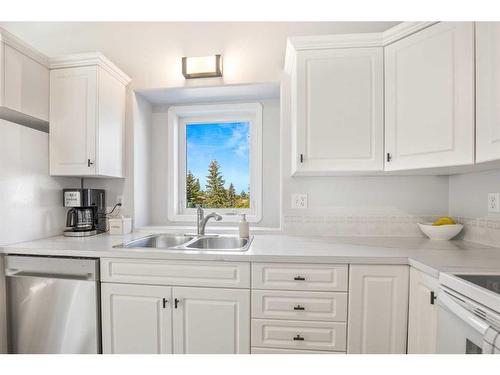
x=445 y=300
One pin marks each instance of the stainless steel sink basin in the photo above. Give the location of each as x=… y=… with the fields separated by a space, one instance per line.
x=190 y=242
x=220 y=243
x=161 y=241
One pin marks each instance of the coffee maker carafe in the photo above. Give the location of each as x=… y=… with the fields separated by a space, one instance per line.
x=86 y=214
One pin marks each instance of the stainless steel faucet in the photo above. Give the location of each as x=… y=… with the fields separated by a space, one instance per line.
x=201 y=220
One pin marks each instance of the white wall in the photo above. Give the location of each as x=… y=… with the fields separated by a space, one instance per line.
x=143 y=165
x=252 y=51
x=31 y=201
x=469 y=192
x=270 y=177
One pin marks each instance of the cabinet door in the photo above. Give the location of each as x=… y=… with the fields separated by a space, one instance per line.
x=378 y=309
x=136 y=319
x=337 y=111
x=73 y=114
x=210 y=320
x=429 y=117
x=26 y=84
x=422 y=320
x=487 y=91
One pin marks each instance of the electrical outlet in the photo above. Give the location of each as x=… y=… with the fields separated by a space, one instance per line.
x=493 y=202
x=299 y=200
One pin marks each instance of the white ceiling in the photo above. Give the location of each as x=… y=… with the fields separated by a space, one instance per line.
x=150 y=52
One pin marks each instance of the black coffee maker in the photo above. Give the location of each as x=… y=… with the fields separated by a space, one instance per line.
x=87 y=212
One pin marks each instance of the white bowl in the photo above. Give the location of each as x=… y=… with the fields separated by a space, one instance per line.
x=440 y=232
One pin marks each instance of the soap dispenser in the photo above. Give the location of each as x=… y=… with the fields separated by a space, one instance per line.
x=244 y=227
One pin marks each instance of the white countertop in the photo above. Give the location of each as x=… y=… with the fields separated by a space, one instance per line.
x=427 y=255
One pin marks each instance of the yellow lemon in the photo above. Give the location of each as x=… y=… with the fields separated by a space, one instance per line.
x=445 y=220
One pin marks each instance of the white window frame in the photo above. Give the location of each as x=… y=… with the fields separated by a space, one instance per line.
x=178 y=117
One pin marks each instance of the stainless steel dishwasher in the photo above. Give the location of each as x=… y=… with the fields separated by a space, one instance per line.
x=53 y=304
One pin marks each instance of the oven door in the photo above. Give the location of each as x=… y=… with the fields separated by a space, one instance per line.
x=459 y=331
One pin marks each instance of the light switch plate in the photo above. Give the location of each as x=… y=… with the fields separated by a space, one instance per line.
x=299 y=201
x=493 y=202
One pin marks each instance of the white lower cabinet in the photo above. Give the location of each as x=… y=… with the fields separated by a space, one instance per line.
x=292 y=334
x=211 y=321
x=150 y=319
x=321 y=315
x=136 y=319
x=422 y=320
x=289 y=351
x=378 y=309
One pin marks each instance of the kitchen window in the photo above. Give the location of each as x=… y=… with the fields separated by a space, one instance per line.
x=215 y=160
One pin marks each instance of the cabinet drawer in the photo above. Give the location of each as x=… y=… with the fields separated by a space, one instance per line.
x=183 y=273
x=280 y=304
x=289 y=351
x=289 y=276
x=292 y=334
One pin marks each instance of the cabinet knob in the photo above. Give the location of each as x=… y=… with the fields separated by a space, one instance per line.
x=299 y=308
x=299 y=278
x=298 y=338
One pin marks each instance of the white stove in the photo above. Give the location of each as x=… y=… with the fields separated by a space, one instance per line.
x=469 y=313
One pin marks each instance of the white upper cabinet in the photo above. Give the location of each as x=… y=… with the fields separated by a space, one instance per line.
x=487 y=91
x=429 y=98
x=87 y=116
x=336 y=108
x=378 y=309
x=422 y=320
x=24 y=83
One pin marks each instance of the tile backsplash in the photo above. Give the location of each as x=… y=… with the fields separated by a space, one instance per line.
x=484 y=231
x=350 y=225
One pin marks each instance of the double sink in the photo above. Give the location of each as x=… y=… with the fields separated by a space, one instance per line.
x=190 y=242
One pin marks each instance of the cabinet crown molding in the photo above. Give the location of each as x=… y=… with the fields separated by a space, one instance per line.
x=358 y=40
x=89 y=59
x=18 y=44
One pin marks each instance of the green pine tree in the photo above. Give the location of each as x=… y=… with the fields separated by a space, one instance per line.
x=231 y=196
x=216 y=196
x=194 y=194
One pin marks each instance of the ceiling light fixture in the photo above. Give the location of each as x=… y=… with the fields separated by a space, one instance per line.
x=202 y=67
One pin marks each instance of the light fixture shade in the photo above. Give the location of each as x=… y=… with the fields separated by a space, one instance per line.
x=202 y=67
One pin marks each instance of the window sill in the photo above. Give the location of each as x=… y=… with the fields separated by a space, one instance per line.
x=209 y=230
x=233 y=218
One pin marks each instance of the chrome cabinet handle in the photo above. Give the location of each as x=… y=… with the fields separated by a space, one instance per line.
x=298 y=307
x=299 y=278
x=298 y=338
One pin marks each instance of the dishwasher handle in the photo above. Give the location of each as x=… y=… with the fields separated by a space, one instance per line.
x=52 y=267
x=20 y=273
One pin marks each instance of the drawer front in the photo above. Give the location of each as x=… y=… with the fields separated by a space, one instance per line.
x=182 y=273
x=293 y=334
x=293 y=305
x=290 y=276
x=289 y=351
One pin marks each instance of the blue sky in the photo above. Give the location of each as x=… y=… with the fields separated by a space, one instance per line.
x=229 y=143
